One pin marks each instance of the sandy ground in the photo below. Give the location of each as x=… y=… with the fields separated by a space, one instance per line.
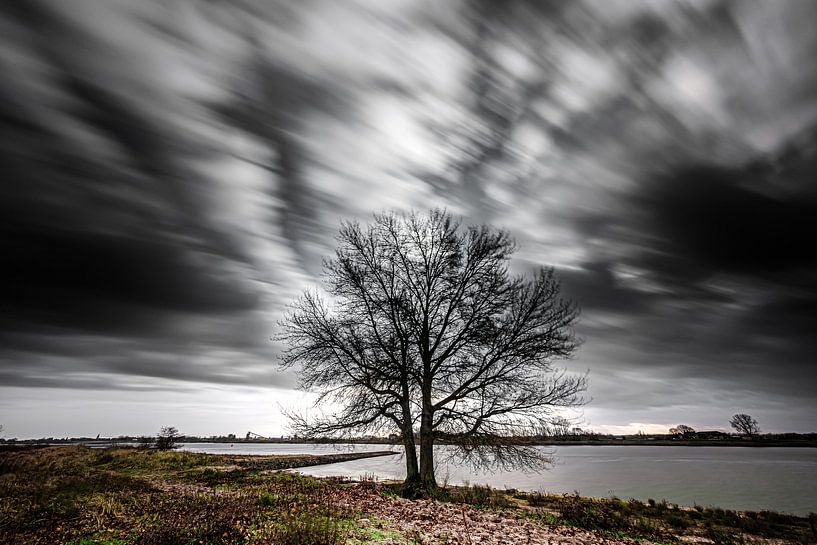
x=431 y=522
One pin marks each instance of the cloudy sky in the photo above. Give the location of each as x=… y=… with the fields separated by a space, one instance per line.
x=175 y=171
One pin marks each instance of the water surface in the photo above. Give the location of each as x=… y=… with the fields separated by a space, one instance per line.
x=746 y=478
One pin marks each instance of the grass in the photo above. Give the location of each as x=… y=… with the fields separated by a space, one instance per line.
x=372 y=531
x=81 y=496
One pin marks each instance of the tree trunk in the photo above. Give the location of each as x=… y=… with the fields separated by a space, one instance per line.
x=429 y=482
x=412 y=473
x=427 y=478
x=411 y=486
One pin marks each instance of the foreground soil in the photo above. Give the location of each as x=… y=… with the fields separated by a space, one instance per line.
x=80 y=496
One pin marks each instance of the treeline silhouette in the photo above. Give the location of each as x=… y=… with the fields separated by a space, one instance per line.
x=573 y=436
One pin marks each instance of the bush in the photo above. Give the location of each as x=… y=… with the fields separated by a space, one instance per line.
x=167 y=438
x=476 y=495
x=268 y=500
x=678 y=521
x=586 y=513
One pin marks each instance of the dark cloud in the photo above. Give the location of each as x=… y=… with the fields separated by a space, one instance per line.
x=715 y=217
x=175 y=172
x=81 y=279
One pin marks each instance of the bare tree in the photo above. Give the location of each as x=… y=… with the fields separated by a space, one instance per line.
x=744 y=424
x=429 y=336
x=167 y=438
x=683 y=430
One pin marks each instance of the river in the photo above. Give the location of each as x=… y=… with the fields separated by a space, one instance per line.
x=744 y=478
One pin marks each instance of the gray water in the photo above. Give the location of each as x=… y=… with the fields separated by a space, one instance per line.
x=744 y=478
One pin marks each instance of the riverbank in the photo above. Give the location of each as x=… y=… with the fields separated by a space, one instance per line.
x=82 y=496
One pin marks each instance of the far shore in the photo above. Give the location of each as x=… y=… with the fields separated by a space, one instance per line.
x=796 y=440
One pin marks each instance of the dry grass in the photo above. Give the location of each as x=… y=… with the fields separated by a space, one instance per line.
x=665 y=522
x=81 y=496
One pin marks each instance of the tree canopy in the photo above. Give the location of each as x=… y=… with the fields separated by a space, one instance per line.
x=167 y=438
x=744 y=424
x=682 y=429
x=424 y=332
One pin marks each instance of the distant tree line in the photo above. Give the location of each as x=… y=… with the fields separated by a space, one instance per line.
x=743 y=424
x=560 y=429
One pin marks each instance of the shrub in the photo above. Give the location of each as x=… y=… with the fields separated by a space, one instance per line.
x=167 y=438
x=678 y=521
x=476 y=495
x=588 y=513
x=268 y=500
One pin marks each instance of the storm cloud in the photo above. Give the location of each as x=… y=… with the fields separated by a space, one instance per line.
x=175 y=172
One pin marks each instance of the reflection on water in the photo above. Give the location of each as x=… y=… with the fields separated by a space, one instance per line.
x=747 y=478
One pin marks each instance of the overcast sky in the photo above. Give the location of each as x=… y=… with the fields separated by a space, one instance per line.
x=175 y=171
